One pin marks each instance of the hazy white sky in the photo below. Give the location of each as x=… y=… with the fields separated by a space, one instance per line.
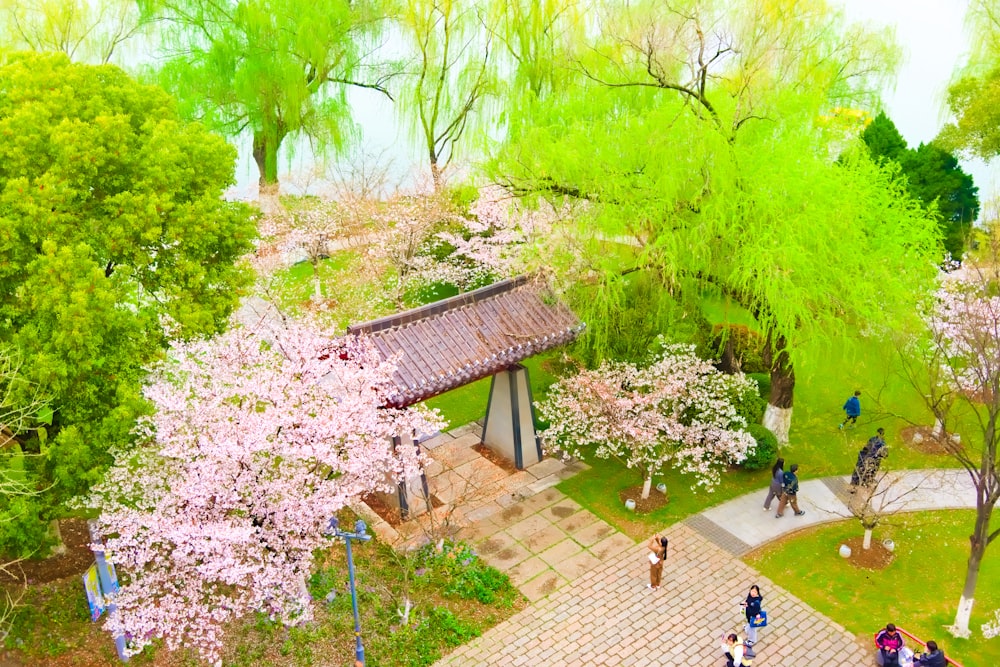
x=932 y=34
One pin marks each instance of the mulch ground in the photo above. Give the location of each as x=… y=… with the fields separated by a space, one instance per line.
x=876 y=557
x=922 y=439
x=74 y=561
x=501 y=462
x=655 y=501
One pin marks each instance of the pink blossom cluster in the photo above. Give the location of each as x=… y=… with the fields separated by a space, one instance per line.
x=258 y=438
x=966 y=326
x=675 y=411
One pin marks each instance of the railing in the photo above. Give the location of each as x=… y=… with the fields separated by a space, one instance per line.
x=919 y=641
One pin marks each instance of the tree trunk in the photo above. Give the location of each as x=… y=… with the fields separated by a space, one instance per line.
x=317 y=285
x=977 y=548
x=778 y=415
x=646 y=484
x=729 y=363
x=266 y=143
x=867 y=544
x=436 y=174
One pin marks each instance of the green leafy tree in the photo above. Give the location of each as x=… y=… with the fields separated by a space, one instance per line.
x=113 y=237
x=884 y=140
x=695 y=137
x=974 y=98
x=933 y=176
x=272 y=68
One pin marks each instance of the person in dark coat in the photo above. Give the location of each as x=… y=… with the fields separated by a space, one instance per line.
x=777 y=479
x=752 y=608
x=933 y=657
x=790 y=492
x=869 y=460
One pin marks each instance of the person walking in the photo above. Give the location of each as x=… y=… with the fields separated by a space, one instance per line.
x=657 y=554
x=853 y=409
x=777 y=480
x=869 y=460
x=790 y=492
x=751 y=606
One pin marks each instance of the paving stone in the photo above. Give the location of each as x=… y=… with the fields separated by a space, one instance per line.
x=546 y=467
x=556 y=554
x=585 y=527
x=561 y=509
x=542 y=539
x=608 y=548
x=526 y=569
x=576 y=566
x=502 y=552
x=522 y=529
x=544 y=584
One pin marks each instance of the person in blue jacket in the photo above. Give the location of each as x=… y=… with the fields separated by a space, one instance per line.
x=853 y=409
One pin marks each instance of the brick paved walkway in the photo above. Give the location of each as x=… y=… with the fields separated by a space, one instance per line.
x=609 y=617
x=587 y=582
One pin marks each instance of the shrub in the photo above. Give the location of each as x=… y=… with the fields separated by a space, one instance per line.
x=749 y=404
x=467 y=576
x=764 y=452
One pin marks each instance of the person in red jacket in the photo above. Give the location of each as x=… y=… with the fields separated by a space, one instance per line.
x=889 y=641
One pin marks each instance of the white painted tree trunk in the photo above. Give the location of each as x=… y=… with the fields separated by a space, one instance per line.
x=867 y=544
x=938 y=428
x=778 y=421
x=961 y=625
x=317 y=286
x=646 y=484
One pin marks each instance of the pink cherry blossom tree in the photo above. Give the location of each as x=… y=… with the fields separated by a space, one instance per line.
x=675 y=411
x=258 y=438
x=958 y=373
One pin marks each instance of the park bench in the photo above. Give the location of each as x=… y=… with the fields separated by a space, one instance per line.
x=916 y=642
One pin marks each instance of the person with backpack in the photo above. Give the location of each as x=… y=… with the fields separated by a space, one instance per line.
x=790 y=492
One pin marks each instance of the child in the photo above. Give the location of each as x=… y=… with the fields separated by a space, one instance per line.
x=853 y=409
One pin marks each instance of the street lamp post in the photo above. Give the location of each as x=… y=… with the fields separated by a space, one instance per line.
x=360 y=533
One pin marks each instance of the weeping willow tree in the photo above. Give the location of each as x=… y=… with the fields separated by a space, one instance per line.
x=89 y=31
x=709 y=144
x=274 y=68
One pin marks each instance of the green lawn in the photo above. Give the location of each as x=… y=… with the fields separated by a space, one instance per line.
x=918 y=591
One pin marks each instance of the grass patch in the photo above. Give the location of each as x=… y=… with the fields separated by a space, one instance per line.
x=597 y=490
x=919 y=590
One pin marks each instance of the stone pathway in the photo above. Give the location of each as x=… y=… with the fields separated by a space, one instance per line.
x=587 y=581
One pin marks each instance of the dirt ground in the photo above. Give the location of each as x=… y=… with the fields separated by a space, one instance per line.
x=875 y=557
x=75 y=560
x=655 y=501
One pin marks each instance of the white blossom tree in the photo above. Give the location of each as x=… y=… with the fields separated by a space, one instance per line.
x=957 y=371
x=675 y=411
x=259 y=437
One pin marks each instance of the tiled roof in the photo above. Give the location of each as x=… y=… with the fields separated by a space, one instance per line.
x=453 y=342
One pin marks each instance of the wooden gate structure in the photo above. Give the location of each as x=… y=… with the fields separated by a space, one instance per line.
x=456 y=341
